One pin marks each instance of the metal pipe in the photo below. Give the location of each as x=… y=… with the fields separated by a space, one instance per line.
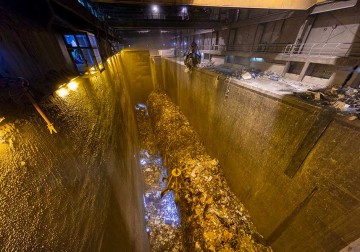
x=24 y=85
x=38 y=109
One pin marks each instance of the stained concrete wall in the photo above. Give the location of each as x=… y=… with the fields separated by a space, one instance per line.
x=137 y=72
x=339 y=26
x=290 y=163
x=79 y=189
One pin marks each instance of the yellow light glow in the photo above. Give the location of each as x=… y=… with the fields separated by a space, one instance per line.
x=92 y=69
x=62 y=92
x=73 y=85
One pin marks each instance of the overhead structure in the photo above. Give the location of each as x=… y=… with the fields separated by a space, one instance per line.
x=269 y=4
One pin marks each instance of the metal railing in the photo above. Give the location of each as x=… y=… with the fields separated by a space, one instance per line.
x=213 y=47
x=323 y=49
x=265 y=48
x=304 y=49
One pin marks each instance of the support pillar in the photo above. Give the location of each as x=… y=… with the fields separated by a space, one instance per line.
x=286 y=68
x=303 y=71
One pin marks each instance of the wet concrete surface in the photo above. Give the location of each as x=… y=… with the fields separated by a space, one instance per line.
x=79 y=189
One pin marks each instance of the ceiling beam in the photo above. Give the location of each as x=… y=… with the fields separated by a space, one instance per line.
x=163 y=24
x=265 y=4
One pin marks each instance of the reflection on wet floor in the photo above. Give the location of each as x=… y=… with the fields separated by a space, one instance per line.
x=161 y=214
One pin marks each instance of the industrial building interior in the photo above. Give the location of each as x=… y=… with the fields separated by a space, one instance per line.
x=110 y=140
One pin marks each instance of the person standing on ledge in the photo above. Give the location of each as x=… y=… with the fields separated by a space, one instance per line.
x=192 y=57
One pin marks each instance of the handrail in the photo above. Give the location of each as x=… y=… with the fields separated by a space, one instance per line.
x=308 y=49
x=323 y=49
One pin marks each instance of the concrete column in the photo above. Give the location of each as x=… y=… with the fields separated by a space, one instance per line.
x=286 y=68
x=303 y=71
x=355 y=79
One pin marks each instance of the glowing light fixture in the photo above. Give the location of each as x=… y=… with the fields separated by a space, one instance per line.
x=155 y=8
x=62 y=92
x=257 y=59
x=184 y=10
x=73 y=85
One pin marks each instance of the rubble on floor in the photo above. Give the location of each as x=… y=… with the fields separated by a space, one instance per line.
x=240 y=72
x=344 y=99
x=212 y=217
x=264 y=80
x=161 y=214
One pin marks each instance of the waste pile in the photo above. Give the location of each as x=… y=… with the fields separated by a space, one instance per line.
x=212 y=217
x=161 y=215
x=344 y=99
x=241 y=72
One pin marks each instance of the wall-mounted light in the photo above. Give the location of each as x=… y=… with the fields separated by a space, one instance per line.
x=62 y=92
x=73 y=85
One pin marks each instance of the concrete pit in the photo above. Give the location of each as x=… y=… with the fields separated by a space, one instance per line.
x=82 y=189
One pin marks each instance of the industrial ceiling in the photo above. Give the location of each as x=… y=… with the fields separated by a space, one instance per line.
x=268 y=4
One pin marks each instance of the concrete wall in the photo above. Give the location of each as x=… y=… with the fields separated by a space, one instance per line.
x=146 y=41
x=137 y=72
x=339 y=26
x=263 y=66
x=280 y=32
x=79 y=189
x=282 y=157
x=245 y=35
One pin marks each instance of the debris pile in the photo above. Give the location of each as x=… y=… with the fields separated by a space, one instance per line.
x=213 y=219
x=161 y=215
x=241 y=72
x=343 y=99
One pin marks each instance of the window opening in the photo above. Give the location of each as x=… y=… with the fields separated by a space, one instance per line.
x=84 y=52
